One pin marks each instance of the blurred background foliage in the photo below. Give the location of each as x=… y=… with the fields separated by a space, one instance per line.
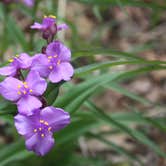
x=117 y=96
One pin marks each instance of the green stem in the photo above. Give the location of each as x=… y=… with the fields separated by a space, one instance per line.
x=34 y=12
x=7 y=112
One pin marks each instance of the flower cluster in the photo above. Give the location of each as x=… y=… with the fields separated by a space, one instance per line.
x=26 y=81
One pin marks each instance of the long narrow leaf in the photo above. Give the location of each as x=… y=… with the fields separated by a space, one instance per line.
x=133 y=133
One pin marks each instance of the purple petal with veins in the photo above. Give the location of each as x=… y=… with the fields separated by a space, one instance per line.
x=55 y=64
x=24 y=94
x=38 y=128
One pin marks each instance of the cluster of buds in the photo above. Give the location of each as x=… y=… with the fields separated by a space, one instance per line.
x=49 y=27
x=36 y=121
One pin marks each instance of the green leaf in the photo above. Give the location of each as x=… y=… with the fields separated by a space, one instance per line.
x=74 y=106
x=52 y=92
x=133 y=73
x=7 y=108
x=89 y=68
x=116 y=147
x=71 y=102
x=74 y=130
x=132 y=132
x=75 y=91
x=115 y=87
x=13 y=152
x=16 y=34
x=17 y=156
x=152 y=4
x=108 y=52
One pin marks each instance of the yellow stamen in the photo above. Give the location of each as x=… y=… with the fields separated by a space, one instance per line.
x=19 y=86
x=30 y=90
x=41 y=121
x=42 y=135
x=35 y=130
x=49 y=129
x=49 y=57
x=46 y=123
x=45 y=16
x=19 y=93
x=58 y=62
x=25 y=85
x=24 y=92
x=11 y=60
x=52 y=16
x=40 y=128
x=51 y=67
x=17 y=55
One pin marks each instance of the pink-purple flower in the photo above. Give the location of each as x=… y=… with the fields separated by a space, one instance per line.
x=48 y=22
x=49 y=26
x=22 y=61
x=24 y=93
x=55 y=64
x=38 y=128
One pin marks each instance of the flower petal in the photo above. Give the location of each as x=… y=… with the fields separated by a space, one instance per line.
x=40 y=145
x=48 y=22
x=55 y=76
x=23 y=125
x=27 y=104
x=36 y=83
x=9 y=88
x=63 y=71
x=65 y=53
x=58 y=48
x=36 y=25
x=31 y=142
x=62 y=26
x=67 y=71
x=8 y=70
x=24 y=61
x=40 y=64
x=56 y=117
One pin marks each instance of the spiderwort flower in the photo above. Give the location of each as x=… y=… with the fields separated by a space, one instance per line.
x=49 y=26
x=38 y=128
x=55 y=64
x=22 y=61
x=24 y=93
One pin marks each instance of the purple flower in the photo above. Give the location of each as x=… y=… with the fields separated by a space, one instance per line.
x=55 y=64
x=38 y=128
x=22 y=61
x=24 y=93
x=49 y=26
x=29 y=3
